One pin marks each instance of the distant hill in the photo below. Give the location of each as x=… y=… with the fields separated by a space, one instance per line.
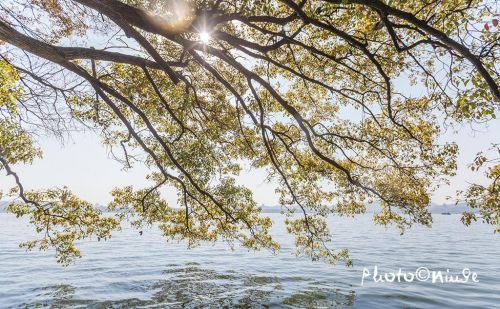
x=451 y=208
x=101 y=207
x=434 y=208
x=278 y=209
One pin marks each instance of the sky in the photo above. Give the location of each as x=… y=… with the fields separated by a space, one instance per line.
x=85 y=167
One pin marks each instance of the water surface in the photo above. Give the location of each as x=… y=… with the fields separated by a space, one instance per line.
x=133 y=271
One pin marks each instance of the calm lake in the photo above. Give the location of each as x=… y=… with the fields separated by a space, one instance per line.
x=133 y=271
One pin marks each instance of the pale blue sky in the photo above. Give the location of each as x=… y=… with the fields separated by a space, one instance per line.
x=84 y=165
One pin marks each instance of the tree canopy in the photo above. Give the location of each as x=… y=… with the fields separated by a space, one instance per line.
x=342 y=102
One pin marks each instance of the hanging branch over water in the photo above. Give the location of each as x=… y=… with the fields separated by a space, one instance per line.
x=315 y=92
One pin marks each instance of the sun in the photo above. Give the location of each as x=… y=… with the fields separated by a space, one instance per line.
x=204 y=37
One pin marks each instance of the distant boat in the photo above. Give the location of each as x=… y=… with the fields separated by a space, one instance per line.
x=446 y=213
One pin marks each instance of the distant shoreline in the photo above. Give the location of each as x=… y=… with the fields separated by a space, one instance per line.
x=433 y=208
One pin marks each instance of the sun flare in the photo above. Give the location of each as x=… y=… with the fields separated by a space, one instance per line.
x=204 y=37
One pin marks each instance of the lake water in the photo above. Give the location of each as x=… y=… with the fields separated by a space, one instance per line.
x=132 y=271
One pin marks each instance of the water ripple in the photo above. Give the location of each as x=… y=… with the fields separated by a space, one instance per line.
x=132 y=271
